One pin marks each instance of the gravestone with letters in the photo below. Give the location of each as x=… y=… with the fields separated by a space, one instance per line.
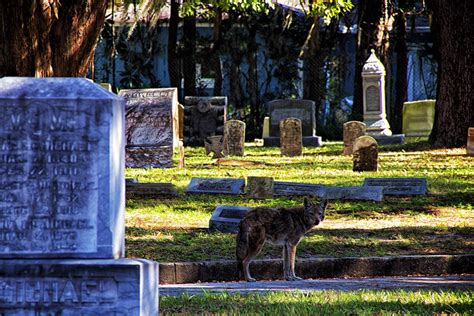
x=234 y=138
x=62 y=203
x=203 y=117
x=399 y=186
x=152 y=127
x=303 y=110
x=351 y=131
x=365 y=154
x=226 y=218
x=216 y=186
x=291 y=143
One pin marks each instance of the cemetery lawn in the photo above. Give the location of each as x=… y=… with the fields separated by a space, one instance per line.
x=364 y=302
x=174 y=229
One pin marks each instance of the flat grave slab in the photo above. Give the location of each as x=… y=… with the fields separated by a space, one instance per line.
x=395 y=139
x=281 y=188
x=399 y=186
x=216 y=186
x=79 y=287
x=354 y=193
x=62 y=187
x=151 y=189
x=226 y=218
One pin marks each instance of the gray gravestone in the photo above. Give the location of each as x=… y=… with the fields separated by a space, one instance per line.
x=354 y=193
x=152 y=126
x=351 y=131
x=216 y=186
x=291 y=143
x=365 y=154
x=234 y=138
x=470 y=142
x=260 y=187
x=298 y=189
x=304 y=110
x=63 y=203
x=203 y=117
x=226 y=218
x=399 y=186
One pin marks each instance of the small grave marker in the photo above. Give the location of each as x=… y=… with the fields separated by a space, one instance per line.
x=234 y=138
x=371 y=193
x=260 y=187
x=418 y=118
x=365 y=154
x=291 y=143
x=226 y=218
x=214 y=145
x=298 y=189
x=399 y=186
x=351 y=131
x=216 y=186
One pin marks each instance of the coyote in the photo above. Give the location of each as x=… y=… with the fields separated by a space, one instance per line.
x=280 y=226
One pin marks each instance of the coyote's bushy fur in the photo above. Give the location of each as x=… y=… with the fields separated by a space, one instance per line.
x=280 y=226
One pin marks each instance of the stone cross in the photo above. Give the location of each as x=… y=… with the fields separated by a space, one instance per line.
x=351 y=131
x=373 y=84
x=234 y=138
x=470 y=142
x=215 y=145
x=291 y=138
x=365 y=154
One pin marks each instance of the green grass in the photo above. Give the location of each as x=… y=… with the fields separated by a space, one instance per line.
x=175 y=229
x=365 y=302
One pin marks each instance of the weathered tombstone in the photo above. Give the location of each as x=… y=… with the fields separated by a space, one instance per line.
x=181 y=120
x=470 y=142
x=214 y=145
x=266 y=127
x=281 y=188
x=226 y=218
x=216 y=186
x=399 y=186
x=418 y=118
x=203 y=117
x=351 y=131
x=152 y=127
x=62 y=205
x=291 y=143
x=181 y=155
x=260 y=187
x=365 y=154
x=375 y=117
x=301 y=109
x=354 y=193
x=234 y=138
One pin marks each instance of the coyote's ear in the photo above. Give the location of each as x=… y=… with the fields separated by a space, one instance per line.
x=323 y=204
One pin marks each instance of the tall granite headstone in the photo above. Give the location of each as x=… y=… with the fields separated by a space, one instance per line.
x=351 y=131
x=234 y=138
x=152 y=127
x=470 y=142
x=301 y=109
x=365 y=154
x=203 y=117
x=62 y=199
x=291 y=143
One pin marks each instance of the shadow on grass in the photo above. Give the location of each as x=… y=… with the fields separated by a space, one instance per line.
x=177 y=245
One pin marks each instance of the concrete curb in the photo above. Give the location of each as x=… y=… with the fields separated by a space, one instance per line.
x=348 y=267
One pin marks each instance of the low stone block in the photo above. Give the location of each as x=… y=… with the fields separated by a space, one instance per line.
x=216 y=186
x=187 y=272
x=123 y=287
x=260 y=187
x=354 y=193
x=395 y=139
x=150 y=189
x=226 y=218
x=149 y=156
x=167 y=273
x=308 y=141
x=281 y=188
x=399 y=186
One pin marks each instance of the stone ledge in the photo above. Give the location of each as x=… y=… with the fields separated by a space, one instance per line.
x=271 y=269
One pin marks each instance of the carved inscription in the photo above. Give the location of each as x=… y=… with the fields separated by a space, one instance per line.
x=57 y=291
x=373 y=99
x=49 y=177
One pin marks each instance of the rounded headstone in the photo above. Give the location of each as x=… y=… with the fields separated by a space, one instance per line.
x=291 y=138
x=365 y=154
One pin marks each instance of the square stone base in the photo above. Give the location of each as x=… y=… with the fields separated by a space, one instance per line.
x=397 y=139
x=79 y=287
x=308 y=141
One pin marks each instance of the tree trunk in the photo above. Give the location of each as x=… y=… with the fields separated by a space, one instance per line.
x=173 y=60
x=253 y=76
x=189 y=55
x=216 y=61
x=373 y=24
x=46 y=38
x=401 y=75
x=454 y=101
